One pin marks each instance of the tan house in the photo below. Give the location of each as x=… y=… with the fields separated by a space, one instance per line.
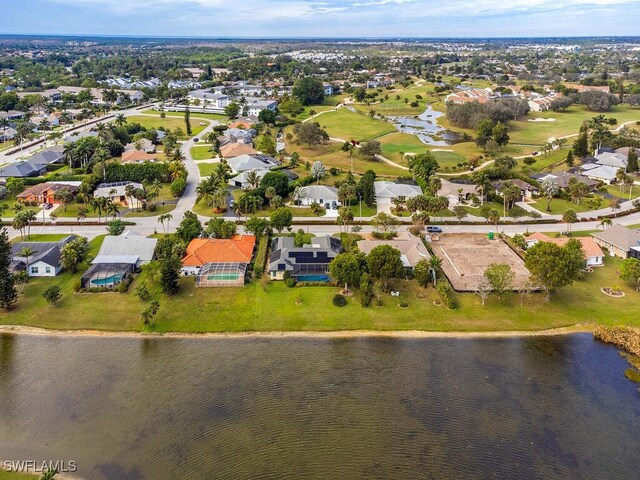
x=46 y=192
x=412 y=250
x=621 y=241
x=232 y=150
x=138 y=156
x=593 y=254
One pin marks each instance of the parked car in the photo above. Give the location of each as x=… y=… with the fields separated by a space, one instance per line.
x=47 y=206
x=434 y=229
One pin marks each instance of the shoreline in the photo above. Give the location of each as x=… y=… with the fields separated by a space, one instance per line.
x=37 y=331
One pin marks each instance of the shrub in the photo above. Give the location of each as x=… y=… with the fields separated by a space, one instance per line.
x=403 y=304
x=339 y=300
x=447 y=295
x=365 y=301
x=261 y=256
x=178 y=186
x=290 y=282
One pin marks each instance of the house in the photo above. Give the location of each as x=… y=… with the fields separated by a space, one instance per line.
x=44 y=262
x=118 y=258
x=387 y=191
x=244 y=163
x=562 y=179
x=621 y=241
x=74 y=137
x=328 y=89
x=145 y=144
x=255 y=106
x=599 y=173
x=457 y=193
x=593 y=254
x=46 y=192
x=611 y=159
x=116 y=191
x=412 y=250
x=7 y=134
x=48 y=156
x=12 y=115
x=309 y=263
x=527 y=190
x=244 y=123
x=232 y=150
x=208 y=100
x=22 y=170
x=219 y=261
x=138 y=156
x=324 y=195
x=480 y=95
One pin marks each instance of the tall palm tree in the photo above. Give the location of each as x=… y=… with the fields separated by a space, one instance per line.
x=165 y=217
x=27 y=252
x=82 y=214
x=120 y=119
x=253 y=179
x=112 y=209
x=435 y=264
x=30 y=216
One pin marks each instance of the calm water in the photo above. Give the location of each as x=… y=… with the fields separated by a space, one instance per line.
x=525 y=408
x=426 y=128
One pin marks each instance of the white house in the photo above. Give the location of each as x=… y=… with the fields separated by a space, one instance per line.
x=127 y=248
x=325 y=196
x=456 y=192
x=209 y=100
x=255 y=106
x=43 y=262
x=387 y=191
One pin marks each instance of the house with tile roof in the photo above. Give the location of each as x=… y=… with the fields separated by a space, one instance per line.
x=593 y=254
x=138 y=156
x=203 y=251
x=412 y=250
x=231 y=150
x=621 y=241
x=47 y=192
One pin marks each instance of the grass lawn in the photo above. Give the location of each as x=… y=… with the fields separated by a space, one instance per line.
x=169 y=123
x=205 y=168
x=160 y=209
x=624 y=194
x=348 y=125
x=4 y=475
x=559 y=206
x=194 y=115
x=567 y=123
x=331 y=156
x=366 y=210
x=476 y=211
x=42 y=237
x=201 y=153
x=252 y=308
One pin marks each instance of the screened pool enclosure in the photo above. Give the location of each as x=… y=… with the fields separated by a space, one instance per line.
x=221 y=275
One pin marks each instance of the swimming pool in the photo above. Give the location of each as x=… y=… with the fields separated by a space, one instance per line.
x=223 y=276
x=103 y=282
x=312 y=278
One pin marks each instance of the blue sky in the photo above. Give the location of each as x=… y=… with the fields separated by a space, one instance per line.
x=324 y=18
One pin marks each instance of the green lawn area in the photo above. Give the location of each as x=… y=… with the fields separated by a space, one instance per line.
x=252 y=308
x=4 y=475
x=476 y=211
x=559 y=206
x=194 y=115
x=567 y=123
x=348 y=125
x=169 y=123
x=43 y=237
x=160 y=209
x=331 y=156
x=624 y=194
x=205 y=168
x=366 y=210
x=201 y=153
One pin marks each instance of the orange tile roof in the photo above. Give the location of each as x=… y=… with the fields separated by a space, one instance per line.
x=241 y=124
x=137 y=156
x=219 y=250
x=231 y=150
x=589 y=247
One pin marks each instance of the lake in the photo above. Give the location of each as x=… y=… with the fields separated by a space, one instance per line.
x=329 y=408
x=425 y=127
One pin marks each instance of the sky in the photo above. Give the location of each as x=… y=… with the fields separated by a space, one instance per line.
x=323 y=18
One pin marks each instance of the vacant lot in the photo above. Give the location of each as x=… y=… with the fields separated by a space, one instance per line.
x=466 y=257
x=168 y=123
x=348 y=125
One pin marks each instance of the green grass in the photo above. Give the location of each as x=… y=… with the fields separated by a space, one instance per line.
x=205 y=168
x=169 y=123
x=251 y=308
x=42 y=237
x=348 y=125
x=624 y=194
x=4 y=475
x=160 y=209
x=201 y=153
x=559 y=206
x=194 y=115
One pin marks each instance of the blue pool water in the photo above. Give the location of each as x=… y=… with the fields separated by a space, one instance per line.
x=112 y=280
x=313 y=278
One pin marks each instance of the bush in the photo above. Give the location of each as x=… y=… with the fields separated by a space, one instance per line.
x=403 y=304
x=447 y=295
x=339 y=300
x=365 y=301
x=261 y=256
x=290 y=282
x=178 y=186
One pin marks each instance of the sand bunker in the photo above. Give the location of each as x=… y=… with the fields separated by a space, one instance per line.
x=541 y=120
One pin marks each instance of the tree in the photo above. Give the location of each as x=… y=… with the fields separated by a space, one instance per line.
x=73 y=253
x=14 y=186
x=187 y=121
x=281 y=219
x=115 y=227
x=549 y=189
x=422 y=272
x=232 y=110
x=170 y=274
x=494 y=217
x=309 y=90
x=267 y=116
x=366 y=188
x=581 y=145
x=459 y=212
x=150 y=311
x=424 y=165
x=165 y=218
x=27 y=252
x=500 y=277
x=483 y=289
x=257 y=226
x=569 y=160
x=220 y=228
x=632 y=160
x=500 y=134
x=630 y=271
x=310 y=133
x=347 y=268
x=552 y=266
x=370 y=149
x=52 y=295
x=318 y=172
x=384 y=263
x=570 y=217
x=8 y=292
x=345 y=218
x=189 y=228
x=267 y=145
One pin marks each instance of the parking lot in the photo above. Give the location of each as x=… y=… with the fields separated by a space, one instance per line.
x=466 y=257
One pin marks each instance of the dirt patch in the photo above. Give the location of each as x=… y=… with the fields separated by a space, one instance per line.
x=466 y=257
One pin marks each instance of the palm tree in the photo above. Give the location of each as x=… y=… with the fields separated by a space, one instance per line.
x=253 y=179
x=120 y=119
x=30 y=216
x=298 y=194
x=435 y=264
x=165 y=217
x=70 y=154
x=82 y=214
x=549 y=189
x=177 y=156
x=606 y=222
x=4 y=124
x=112 y=209
x=494 y=217
x=27 y=252
x=98 y=205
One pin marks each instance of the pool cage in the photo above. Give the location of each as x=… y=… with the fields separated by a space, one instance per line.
x=106 y=275
x=221 y=275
